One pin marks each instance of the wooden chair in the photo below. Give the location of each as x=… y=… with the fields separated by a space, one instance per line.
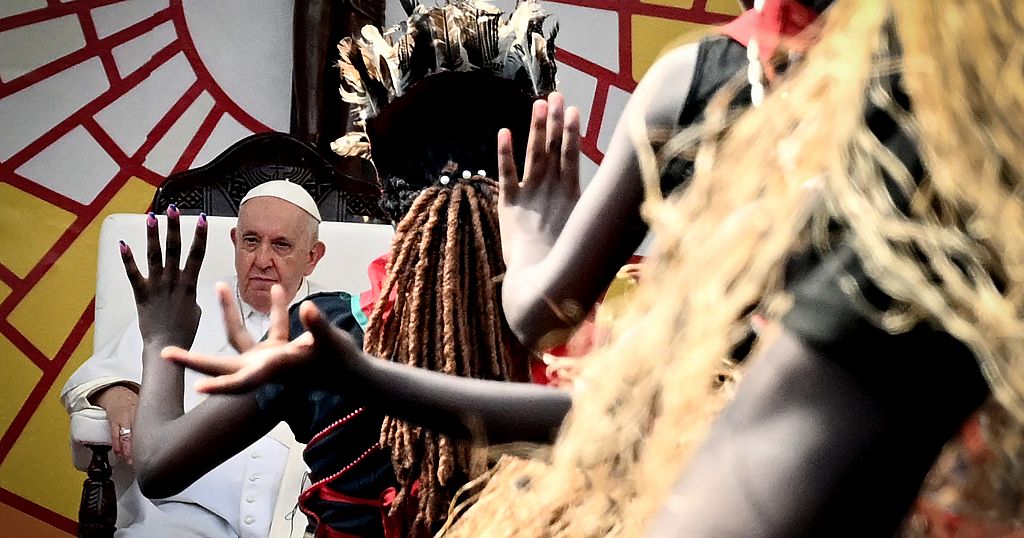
x=347 y=201
x=344 y=188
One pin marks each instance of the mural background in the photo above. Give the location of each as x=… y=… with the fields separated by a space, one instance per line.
x=101 y=99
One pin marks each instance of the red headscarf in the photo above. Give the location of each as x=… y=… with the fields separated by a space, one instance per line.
x=781 y=22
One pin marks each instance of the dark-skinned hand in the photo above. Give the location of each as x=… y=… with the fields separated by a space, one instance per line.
x=166 y=297
x=325 y=352
x=533 y=208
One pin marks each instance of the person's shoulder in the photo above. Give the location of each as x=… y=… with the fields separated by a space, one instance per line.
x=335 y=306
x=329 y=302
x=686 y=56
x=675 y=61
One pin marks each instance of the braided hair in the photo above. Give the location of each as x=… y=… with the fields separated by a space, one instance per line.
x=446 y=263
x=429 y=93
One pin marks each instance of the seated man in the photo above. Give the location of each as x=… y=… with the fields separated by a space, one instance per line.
x=276 y=242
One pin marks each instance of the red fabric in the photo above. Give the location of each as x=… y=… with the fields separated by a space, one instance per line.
x=325 y=531
x=539 y=372
x=974 y=440
x=393 y=526
x=325 y=492
x=396 y=525
x=780 y=20
x=378 y=273
x=942 y=523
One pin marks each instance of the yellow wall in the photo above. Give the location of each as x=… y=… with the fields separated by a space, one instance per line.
x=37 y=466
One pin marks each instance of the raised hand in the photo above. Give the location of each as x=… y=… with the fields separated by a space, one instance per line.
x=166 y=297
x=273 y=359
x=532 y=210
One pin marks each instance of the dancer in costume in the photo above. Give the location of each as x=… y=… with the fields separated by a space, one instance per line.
x=438 y=306
x=561 y=254
x=891 y=164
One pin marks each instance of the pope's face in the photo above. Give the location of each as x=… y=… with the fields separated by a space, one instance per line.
x=275 y=243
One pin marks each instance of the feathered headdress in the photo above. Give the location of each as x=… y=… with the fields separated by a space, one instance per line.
x=437 y=87
x=458 y=36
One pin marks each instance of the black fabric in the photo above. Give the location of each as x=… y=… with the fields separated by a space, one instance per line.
x=308 y=411
x=924 y=361
x=843 y=326
x=819 y=6
x=825 y=316
x=720 y=59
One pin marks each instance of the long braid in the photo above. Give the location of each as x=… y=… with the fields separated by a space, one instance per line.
x=466 y=278
x=445 y=255
x=406 y=233
x=448 y=287
x=450 y=304
x=437 y=356
x=421 y=297
x=416 y=311
x=382 y=333
x=487 y=291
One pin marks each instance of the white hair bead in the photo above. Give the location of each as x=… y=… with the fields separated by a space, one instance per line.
x=481 y=173
x=445 y=180
x=466 y=174
x=755 y=71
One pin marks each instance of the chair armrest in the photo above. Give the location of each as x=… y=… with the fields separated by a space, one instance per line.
x=90 y=446
x=88 y=427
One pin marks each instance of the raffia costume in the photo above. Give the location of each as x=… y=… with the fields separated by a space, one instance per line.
x=900 y=196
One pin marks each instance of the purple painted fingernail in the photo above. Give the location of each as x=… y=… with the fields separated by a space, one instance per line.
x=151 y=220
x=172 y=210
x=202 y=220
x=123 y=246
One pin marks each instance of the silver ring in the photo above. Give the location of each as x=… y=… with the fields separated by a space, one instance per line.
x=124 y=432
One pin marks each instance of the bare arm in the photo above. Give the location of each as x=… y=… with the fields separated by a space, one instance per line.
x=575 y=256
x=328 y=357
x=173 y=448
x=834 y=425
x=501 y=411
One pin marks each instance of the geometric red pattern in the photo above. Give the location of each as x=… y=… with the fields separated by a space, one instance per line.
x=128 y=166
x=623 y=78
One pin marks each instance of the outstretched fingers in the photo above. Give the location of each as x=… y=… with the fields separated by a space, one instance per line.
x=173 y=259
x=253 y=369
x=555 y=126
x=238 y=337
x=153 y=251
x=203 y=363
x=508 y=176
x=570 y=150
x=278 y=331
x=235 y=383
x=536 y=144
x=135 y=278
x=325 y=336
x=196 y=253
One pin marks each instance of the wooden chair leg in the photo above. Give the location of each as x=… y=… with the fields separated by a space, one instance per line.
x=97 y=514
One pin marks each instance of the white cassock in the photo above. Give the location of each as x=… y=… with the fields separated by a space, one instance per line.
x=253 y=494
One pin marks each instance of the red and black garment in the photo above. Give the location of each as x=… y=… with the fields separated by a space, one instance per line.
x=352 y=475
